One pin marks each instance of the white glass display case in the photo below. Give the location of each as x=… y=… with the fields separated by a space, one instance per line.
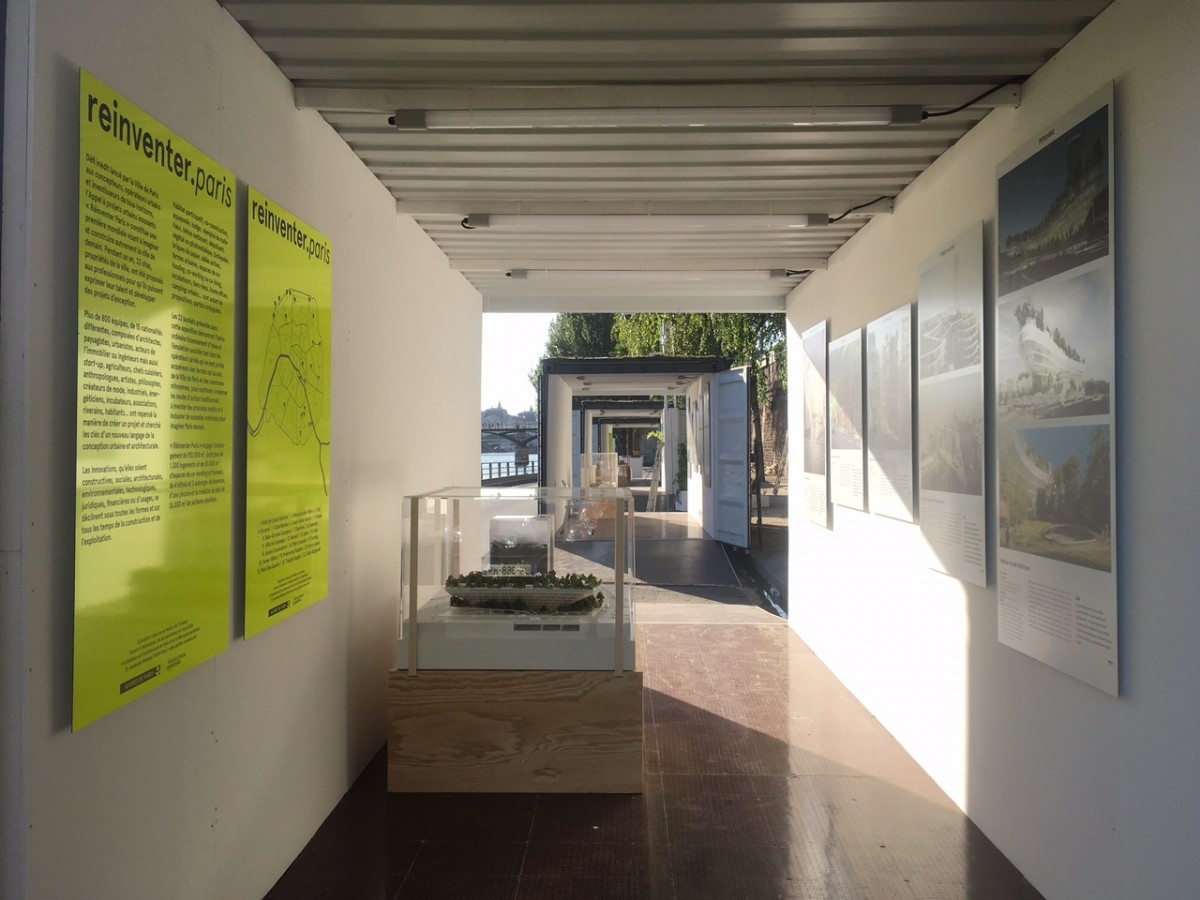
x=518 y=578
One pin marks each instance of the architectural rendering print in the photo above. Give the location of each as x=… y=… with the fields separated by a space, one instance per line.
x=951 y=340
x=1054 y=355
x=846 y=393
x=951 y=309
x=1053 y=207
x=952 y=436
x=1055 y=496
x=815 y=401
x=889 y=386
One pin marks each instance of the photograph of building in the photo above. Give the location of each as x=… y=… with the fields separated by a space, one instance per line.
x=951 y=435
x=816 y=401
x=950 y=340
x=950 y=307
x=846 y=394
x=889 y=384
x=1054 y=350
x=1047 y=231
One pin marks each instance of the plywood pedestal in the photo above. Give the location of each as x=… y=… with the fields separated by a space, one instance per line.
x=515 y=731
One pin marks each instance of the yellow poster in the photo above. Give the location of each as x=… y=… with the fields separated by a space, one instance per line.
x=155 y=405
x=289 y=290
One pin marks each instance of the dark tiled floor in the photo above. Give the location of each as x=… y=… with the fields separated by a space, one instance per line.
x=765 y=779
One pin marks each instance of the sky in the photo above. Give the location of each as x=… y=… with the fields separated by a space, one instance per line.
x=1059 y=444
x=512 y=345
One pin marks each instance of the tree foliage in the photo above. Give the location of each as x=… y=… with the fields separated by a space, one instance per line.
x=1080 y=495
x=581 y=335
x=740 y=338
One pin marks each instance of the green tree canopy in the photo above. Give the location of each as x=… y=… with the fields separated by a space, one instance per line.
x=581 y=334
x=741 y=338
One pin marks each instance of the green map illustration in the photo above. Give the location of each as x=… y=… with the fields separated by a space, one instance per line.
x=291 y=386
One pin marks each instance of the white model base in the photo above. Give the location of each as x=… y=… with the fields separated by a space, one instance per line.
x=458 y=638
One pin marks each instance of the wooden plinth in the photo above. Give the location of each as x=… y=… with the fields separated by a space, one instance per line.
x=515 y=731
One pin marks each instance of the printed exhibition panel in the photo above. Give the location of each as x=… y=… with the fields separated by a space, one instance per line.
x=155 y=411
x=1055 y=406
x=816 y=434
x=846 y=446
x=950 y=411
x=890 y=415
x=289 y=297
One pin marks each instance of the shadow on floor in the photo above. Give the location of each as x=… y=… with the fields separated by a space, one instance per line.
x=764 y=779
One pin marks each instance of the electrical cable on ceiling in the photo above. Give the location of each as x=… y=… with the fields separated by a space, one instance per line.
x=973 y=100
x=857 y=208
x=465 y=223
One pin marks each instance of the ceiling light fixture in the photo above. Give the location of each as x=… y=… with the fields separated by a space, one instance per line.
x=678 y=117
x=621 y=224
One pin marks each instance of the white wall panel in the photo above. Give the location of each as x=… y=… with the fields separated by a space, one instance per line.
x=1089 y=795
x=210 y=786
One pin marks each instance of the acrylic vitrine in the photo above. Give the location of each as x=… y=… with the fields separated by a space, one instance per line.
x=518 y=578
x=516 y=664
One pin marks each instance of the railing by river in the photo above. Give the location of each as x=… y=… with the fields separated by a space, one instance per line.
x=508 y=472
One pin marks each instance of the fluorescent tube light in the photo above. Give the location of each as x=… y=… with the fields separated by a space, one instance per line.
x=624 y=276
x=620 y=224
x=681 y=117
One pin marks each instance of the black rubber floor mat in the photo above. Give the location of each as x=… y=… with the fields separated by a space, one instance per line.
x=684 y=562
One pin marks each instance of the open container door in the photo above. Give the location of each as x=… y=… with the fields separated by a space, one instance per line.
x=731 y=457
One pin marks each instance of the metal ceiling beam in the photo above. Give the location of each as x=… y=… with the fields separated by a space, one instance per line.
x=744 y=246
x=669 y=256
x=670 y=259
x=792 y=188
x=632 y=47
x=717 y=293
x=658 y=17
x=630 y=303
x=983 y=68
x=383 y=156
x=494 y=257
x=660 y=173
x=702 y=264
x=370 y=130
x=731 y=207
x=643 y=96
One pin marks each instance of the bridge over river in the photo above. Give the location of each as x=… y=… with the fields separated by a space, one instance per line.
x=521 y=468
